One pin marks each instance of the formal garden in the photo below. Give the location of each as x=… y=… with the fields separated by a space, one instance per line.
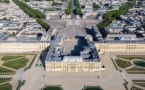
x=56 y=87
x=139 y=63
x=131 y=57
x=139 y=82
x=14 y=62
x=11 y=63
x=9 y=66
x=92 y=88
x=132 y=64
x=7 y=58
x=123 y=64
x=6 y=86
x=135 y=88
x=136 y=70
x=5 y=71
x=2 y=80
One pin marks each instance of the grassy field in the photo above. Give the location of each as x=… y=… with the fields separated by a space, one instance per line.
x=16 y=64
x=5 y=70
x=6 y=86
x=92 y=88
x=7 y=58
x=4 y=80
x=123 y=64
x=131 y=57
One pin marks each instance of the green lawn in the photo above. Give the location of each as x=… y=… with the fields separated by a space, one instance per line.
x=3 y=70
x=4 y=80
x=6 y=86
x=123 y=64
x=92 y=88
x=16 y=64
x=7 y=58
x=52 y=88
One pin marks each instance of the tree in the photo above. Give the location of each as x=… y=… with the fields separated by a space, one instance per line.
x=69 y=8
x=77 y=3
x=105 y=23
x=78 y=8
x=95 y=6
x=28 y=10
x=78 y=11
x=39 y=14
x=109 y=14
x=114 y=14
x=43 y=24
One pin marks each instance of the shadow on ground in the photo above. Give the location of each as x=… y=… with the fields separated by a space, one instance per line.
x=78 y=48
x=43 y=56
x=91 y=31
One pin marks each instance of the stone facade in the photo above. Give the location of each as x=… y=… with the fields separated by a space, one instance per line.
x=73 y=66
x=22 y=47
x=122 y=46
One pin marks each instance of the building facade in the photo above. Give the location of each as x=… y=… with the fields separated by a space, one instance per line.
x=73 y=66
x=22 y=47
x=57 y=61
x=120 y=46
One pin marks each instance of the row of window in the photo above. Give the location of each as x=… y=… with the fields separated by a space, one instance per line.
x=73 y=67
x=73 y=70
x=122 y=47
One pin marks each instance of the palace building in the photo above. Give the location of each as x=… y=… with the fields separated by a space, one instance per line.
x=22 y=46
x=120 y=46
x=73 y=64
x=88 y=61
